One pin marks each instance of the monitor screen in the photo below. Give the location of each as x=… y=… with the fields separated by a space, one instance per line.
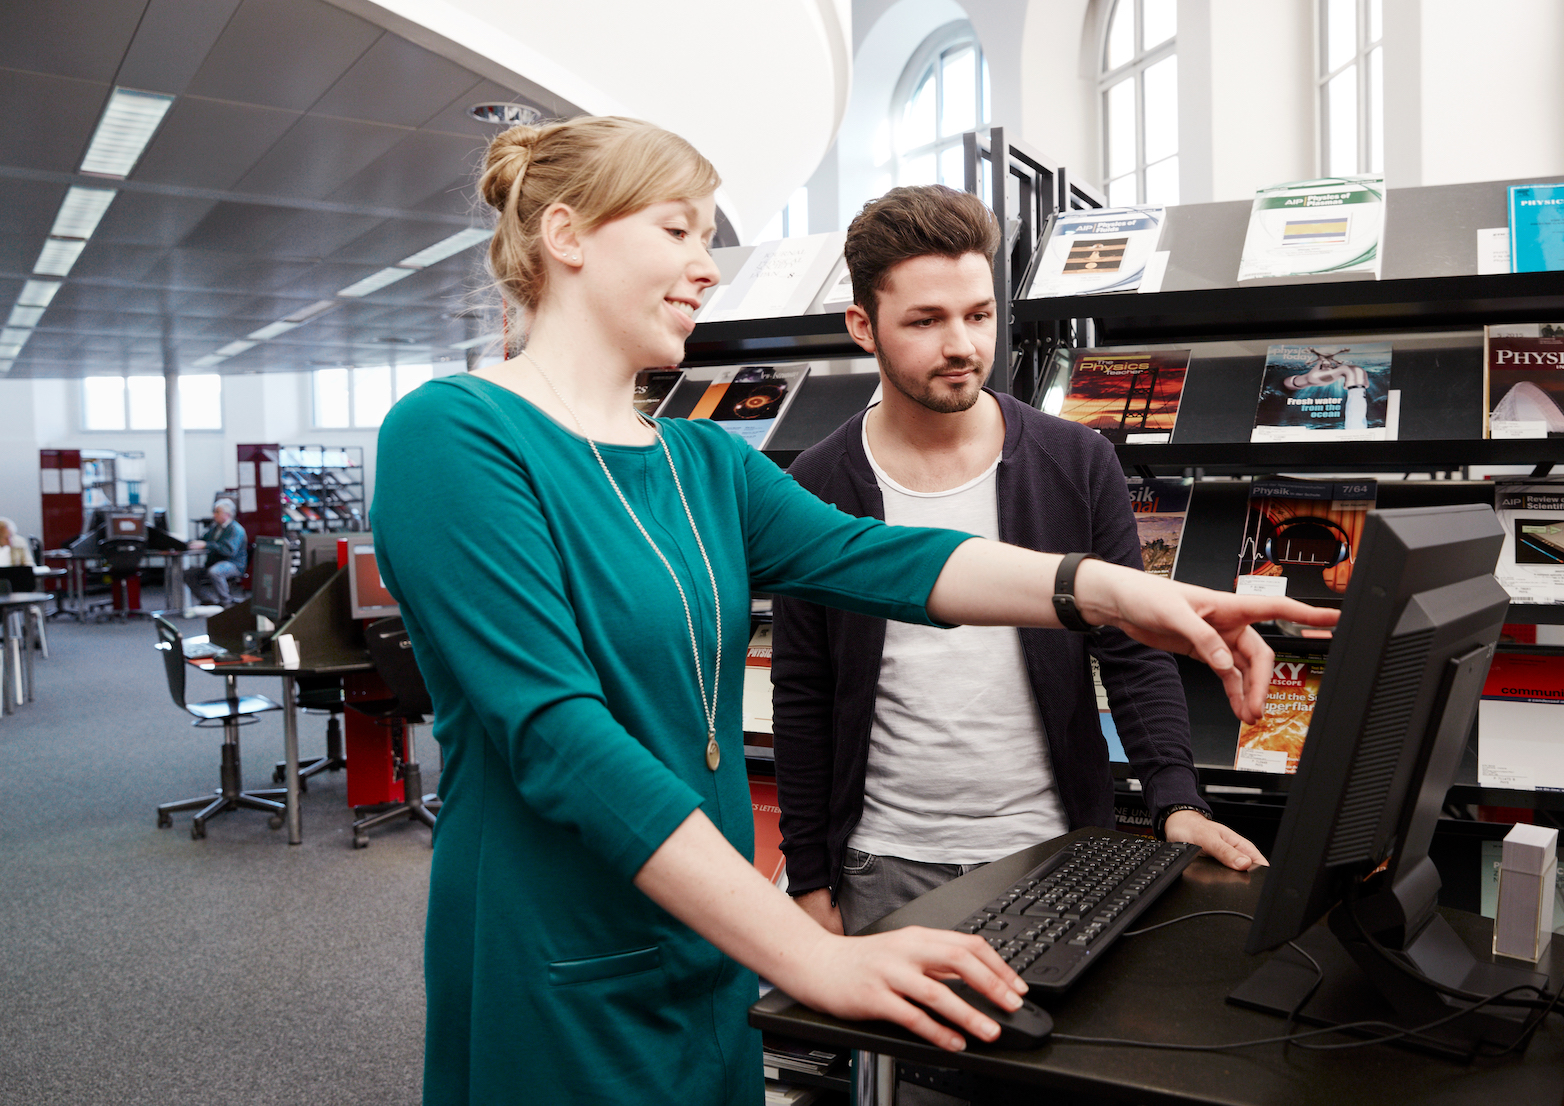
x=123 y=525
x=370 y=599
x=269 y=574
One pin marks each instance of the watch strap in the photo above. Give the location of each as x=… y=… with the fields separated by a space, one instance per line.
x=1159 y=831
x=1065 y=606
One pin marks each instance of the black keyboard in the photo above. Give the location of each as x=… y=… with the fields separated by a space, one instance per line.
x=1058 y=919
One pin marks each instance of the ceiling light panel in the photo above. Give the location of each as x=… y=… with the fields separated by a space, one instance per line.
x=305 y=314
x=447 y=247
x=271 y=330
x=208 y=361
x=24 y=316
x=58 y=255
x=80 y=212
x=128 y=123
x=478 y=341
x=376 y=281
x=38 y=293
x=233 y=348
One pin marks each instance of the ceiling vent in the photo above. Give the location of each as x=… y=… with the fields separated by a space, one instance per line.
x=505 y=115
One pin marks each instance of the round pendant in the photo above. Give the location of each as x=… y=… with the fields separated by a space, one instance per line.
x=713 y=754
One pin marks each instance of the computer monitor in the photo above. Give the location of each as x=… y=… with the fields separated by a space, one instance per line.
x=317 y=549
x=1402 y=682
x=270 y=571
x=125 y=526
x=367 y=591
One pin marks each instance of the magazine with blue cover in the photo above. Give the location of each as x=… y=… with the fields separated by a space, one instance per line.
x=1104 y=250
x=1536 y=228
x=1327 y=393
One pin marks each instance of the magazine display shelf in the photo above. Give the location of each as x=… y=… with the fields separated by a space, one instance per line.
x=1431 y=307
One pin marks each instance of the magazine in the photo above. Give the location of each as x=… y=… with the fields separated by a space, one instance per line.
x=652 y=387
x=1523 y=380
x=1161 y=506
x=1531 y=561
x=1536 y=228
x=1127 y=396
x=1302 y=228
x=1275 y=743
x=780 y=279
x=757 y=683
x=1518 y=723
x=1104 y=250
x=1301 y=537
x=1327 y=393
x=769 y=860
x=749 y=401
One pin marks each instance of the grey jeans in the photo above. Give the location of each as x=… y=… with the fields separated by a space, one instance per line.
x=872 y=886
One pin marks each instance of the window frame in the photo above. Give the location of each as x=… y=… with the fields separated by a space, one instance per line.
x=952 y=36
x=125 y=400
x=1134 y=69
x=352 y=405
x=1368 y=104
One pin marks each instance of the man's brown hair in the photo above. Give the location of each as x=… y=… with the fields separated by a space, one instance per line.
x=914 y=221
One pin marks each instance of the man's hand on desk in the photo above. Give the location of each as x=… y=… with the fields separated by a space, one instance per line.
x=1216 y=839
x=196 y=544
x=818 y=905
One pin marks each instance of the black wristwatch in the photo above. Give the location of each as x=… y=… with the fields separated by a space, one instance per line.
x=1065 y=607
x=1160 y=829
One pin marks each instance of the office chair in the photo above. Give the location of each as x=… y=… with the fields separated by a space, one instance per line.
x=392 y=654
x=21 y=578
x=123 y=556
x=316 y=695
x=230 y=712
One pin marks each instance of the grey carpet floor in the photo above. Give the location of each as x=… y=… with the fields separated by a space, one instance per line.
x=140 y=966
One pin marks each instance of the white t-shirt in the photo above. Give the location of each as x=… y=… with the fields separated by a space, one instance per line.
x=959 y=771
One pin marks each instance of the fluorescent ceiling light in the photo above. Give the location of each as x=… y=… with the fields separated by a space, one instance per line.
x=375 y=281
x=236 y=347
x=5 y=367
x=208 y=361
x=128 y=123
x=271 y=330
x=58 y=255
x=80 y=212
x=447 y=247
x=25 y=316
x=10 y=353
x=38 y=293
x=305 y=314
x=478 y=341
x=13 y=336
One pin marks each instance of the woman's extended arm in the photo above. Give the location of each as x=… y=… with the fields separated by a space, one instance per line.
x=987 y=583
x=697 y=876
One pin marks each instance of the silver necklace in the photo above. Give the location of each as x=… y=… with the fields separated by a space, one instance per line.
x=713 y=753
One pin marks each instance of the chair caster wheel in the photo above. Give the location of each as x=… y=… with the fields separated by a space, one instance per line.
x=163 y=820
x=197 y=831
x=275 y=821
x=279 y=774
x=360 y=841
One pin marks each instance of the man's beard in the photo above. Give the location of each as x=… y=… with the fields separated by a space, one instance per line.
x=944 y=402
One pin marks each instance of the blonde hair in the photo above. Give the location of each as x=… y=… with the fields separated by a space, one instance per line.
x=601 y=167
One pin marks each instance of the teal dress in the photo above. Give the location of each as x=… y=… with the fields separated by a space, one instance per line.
x=555 y=649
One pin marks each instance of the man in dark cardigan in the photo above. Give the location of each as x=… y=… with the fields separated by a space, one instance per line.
x=907 y=756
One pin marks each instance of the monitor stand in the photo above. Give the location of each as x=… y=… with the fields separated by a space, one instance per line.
x=1359 y=986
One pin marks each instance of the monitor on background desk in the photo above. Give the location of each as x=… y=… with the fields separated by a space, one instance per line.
x=125 y=526
x=1402 y=682
x=270 y=569
x=366 y=589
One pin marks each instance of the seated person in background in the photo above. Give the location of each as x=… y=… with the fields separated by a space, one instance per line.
x=14 y=550
x=227 y=552
x=906 y=755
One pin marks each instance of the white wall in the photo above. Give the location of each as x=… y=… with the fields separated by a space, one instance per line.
x=1058 y=84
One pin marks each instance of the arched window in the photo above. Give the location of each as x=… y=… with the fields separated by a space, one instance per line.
x=1352 y=87
x=1139 y=90
x=942 y=94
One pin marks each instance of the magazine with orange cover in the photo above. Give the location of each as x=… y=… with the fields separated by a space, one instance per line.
x=769 y=860
x=1275 y=743
x=1301 y=537
x=1127 y=396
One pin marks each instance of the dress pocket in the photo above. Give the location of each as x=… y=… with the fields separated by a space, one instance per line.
x=562 y=973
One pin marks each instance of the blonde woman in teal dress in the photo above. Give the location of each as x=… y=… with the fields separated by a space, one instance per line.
x=575 y=581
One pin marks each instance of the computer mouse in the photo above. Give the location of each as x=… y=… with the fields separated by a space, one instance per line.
x=1020 y=1030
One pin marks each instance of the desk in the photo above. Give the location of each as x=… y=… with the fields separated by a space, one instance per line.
x=1171 y=986
x=19 y=644
x=75 y=601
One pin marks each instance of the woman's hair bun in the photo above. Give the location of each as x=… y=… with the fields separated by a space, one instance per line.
x=506 y=163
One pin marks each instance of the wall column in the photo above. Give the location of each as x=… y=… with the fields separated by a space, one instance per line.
x=178 y=494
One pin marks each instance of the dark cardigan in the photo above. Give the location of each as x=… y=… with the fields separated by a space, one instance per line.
x=1060 y=490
